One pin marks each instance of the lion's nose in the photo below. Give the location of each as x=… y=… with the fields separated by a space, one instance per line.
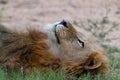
x=64 y=23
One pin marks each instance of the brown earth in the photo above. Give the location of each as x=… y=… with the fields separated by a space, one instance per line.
x=19 y=14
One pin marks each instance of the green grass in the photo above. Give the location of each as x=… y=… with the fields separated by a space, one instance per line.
x=36 y=75
x=111 y=49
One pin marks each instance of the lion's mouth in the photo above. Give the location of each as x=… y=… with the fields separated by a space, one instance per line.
x=58 y=40
x=64 y=23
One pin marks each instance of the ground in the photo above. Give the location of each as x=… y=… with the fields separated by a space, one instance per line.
x=28 y=13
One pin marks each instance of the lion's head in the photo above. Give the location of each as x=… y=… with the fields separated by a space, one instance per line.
x=64 y=38
x=61 y=32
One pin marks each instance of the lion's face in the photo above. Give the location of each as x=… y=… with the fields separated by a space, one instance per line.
x=64 y=30
x=63 y=33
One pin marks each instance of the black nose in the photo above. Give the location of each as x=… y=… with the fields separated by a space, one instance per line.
x=64 y=23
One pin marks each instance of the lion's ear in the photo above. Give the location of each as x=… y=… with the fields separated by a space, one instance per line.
x=93 y=62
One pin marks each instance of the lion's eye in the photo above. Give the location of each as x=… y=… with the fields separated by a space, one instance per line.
x=81 y=43
x=64 y=23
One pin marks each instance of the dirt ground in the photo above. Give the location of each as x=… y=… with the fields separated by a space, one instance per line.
x=19 y=14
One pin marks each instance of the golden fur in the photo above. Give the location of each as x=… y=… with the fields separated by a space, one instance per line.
x=40 y=50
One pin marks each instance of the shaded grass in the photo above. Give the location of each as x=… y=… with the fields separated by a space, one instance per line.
x=2 y=74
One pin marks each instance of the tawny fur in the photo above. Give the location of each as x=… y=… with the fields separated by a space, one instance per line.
x=34 y=50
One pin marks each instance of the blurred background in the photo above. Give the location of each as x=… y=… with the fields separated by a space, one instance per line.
x=98 y=18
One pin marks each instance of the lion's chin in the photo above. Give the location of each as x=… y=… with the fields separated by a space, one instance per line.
x=49 y=29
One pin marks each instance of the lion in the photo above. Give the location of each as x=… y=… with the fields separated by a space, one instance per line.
x=57 y=46
x=68 y=46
